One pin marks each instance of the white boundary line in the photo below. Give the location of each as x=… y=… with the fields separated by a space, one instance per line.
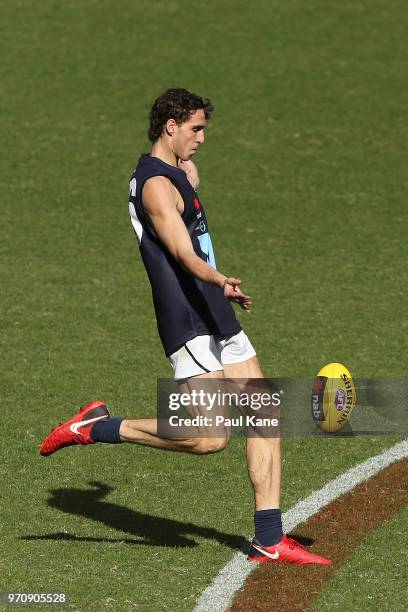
x=218 y=596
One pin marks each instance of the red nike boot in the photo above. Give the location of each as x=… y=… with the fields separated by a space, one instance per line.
x=77 y=430
x=285 y=551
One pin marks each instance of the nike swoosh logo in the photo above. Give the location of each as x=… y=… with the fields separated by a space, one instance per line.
x=274 y=556
x=74 y=427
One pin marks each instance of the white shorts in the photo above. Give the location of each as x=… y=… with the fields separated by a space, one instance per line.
x=205 y=354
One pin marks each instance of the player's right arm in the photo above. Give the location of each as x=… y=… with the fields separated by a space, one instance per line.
x=160 y=203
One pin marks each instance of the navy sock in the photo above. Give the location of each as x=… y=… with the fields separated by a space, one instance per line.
x=107 y=431
x=268 y=526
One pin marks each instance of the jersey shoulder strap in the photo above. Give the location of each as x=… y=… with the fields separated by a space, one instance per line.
x=149 y=167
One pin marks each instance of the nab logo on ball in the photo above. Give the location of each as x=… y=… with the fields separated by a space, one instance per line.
x=333 y=397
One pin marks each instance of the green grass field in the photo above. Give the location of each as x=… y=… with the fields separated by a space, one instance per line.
x=377 y=573
x=303 y=176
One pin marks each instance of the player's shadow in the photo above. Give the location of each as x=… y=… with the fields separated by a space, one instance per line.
x=146 y=529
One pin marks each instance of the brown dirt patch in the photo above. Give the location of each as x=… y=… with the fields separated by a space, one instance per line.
x=337 y=529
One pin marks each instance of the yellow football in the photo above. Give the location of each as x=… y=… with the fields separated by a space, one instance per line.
x=333 y=397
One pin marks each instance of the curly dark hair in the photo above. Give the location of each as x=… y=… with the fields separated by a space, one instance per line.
x=178 y=104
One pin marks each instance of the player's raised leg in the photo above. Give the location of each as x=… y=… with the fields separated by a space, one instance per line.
x=93 y=423
x=145 y=431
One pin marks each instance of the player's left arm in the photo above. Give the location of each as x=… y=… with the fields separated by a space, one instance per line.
x=191 y=171
x=231 y=286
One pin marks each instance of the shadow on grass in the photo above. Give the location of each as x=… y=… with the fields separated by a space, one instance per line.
x=149 y=530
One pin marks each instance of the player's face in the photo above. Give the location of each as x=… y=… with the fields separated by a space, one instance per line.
x=189 y=135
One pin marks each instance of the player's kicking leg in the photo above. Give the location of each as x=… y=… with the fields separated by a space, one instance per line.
x=93 y=423
x=198 y=358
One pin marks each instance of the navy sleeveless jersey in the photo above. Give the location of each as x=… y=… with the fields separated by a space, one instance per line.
x=185 y=306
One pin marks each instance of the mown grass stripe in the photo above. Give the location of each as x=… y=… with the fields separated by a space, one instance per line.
x=219 y=594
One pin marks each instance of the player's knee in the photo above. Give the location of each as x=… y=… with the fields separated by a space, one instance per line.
x=207 y=446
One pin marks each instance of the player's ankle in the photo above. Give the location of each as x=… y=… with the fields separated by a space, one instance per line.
x=268 y=526
x=107 y=431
